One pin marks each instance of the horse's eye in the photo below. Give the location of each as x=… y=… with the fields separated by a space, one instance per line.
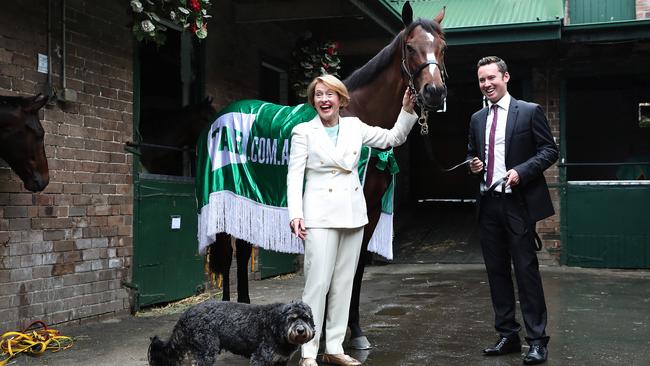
x=410 y=48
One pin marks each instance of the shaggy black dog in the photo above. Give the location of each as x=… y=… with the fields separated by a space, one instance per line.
x=267 y=334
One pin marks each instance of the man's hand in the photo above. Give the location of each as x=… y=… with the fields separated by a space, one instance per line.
x=298 y=228
x=476 y=166
x=513 y=178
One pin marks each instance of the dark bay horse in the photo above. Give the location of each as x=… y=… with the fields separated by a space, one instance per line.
x=21 y=140
x=415 y=58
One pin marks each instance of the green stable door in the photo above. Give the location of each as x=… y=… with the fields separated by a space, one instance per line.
x=608 y=226
x=167 y=265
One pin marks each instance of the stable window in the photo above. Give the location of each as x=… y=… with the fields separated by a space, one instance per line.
x=606 y=127
x=170 y=92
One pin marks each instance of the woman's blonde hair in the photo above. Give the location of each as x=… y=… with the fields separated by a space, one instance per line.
x=331 y=82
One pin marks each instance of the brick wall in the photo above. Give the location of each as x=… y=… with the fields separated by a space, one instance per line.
x=65 y=251
x=235 y=52
x=643 y=9
x=546 y=91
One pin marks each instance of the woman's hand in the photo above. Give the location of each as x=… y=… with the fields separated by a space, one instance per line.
x=408 y=101
x=298 y=228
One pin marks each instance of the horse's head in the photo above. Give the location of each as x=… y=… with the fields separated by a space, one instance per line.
x=423 y=58
x=21 y=140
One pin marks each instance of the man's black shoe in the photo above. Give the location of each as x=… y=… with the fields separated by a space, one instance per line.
x=503 y=346
x=536 y=354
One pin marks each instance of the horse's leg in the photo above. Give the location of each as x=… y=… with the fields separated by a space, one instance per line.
x=375 y=185
x=244 y=251
x=220 y=260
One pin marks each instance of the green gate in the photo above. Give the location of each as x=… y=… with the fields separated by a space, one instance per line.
x=275 y=263
x=167 y=265
x=607 y=224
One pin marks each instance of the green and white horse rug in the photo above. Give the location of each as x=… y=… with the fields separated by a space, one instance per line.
x=241 y=178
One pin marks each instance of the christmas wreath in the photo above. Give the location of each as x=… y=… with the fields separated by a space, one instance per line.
x=312 y=59
x=150 y=17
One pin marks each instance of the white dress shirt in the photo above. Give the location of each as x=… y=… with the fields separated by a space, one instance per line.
x=499 y=170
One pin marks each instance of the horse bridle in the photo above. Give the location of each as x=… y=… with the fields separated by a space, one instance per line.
x=422 y=121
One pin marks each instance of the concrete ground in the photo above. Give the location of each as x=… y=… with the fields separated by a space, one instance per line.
x=431 y=306
x=426 y=314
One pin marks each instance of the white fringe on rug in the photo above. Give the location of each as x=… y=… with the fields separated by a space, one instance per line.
x=381 y=241
x=268 y=226
x=264 y=226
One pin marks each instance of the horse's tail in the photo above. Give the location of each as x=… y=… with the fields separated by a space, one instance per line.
x=219 y=257
x=165 y=353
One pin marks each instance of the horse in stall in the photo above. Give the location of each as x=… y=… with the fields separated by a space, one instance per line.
x=414 y=59
x=21 y=140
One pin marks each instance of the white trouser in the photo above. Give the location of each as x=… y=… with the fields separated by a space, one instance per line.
x=331 y=257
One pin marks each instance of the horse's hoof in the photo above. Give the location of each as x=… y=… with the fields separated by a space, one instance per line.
x=360 y=343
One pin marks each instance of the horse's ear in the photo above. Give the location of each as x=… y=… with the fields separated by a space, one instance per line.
x=438 y=19
x=34 y=103
x=407 y=14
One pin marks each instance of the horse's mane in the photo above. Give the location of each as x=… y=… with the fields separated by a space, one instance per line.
x=11 y=100
x=8 y=106
x=380 y=61
x=367 y=72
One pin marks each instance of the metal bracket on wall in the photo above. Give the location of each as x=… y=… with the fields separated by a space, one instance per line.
x=136 y=296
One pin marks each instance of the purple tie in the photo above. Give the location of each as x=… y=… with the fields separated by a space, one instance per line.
x=490 y=162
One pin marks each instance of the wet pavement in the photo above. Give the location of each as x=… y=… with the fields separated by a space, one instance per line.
x=424 y=314
x=431 y=306
x=437 y=232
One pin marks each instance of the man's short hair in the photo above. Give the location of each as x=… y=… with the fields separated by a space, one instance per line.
x=501 y=65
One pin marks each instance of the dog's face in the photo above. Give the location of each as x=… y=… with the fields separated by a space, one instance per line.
x=299 y=322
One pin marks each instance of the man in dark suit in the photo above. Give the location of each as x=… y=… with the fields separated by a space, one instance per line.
x=513 y=138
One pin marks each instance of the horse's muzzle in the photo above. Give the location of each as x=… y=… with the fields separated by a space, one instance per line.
x=433 y=97
x=37 y=183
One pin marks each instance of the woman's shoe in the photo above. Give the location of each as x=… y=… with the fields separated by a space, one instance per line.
x=341 y=359
x=307 y=362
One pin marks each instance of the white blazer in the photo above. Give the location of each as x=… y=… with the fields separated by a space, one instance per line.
x=333 y=196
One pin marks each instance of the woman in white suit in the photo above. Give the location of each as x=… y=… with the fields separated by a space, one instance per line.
x=331 y=213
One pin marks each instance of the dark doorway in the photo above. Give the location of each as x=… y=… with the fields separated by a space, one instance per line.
x=439 y=223
x=603 y=127
x=608 y=172
x=274 y=83
x=166 y=263
x=169 y=83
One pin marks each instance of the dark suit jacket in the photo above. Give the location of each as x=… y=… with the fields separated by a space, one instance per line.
x=530 y=149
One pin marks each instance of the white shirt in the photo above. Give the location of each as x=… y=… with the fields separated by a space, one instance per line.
x=499 y=141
